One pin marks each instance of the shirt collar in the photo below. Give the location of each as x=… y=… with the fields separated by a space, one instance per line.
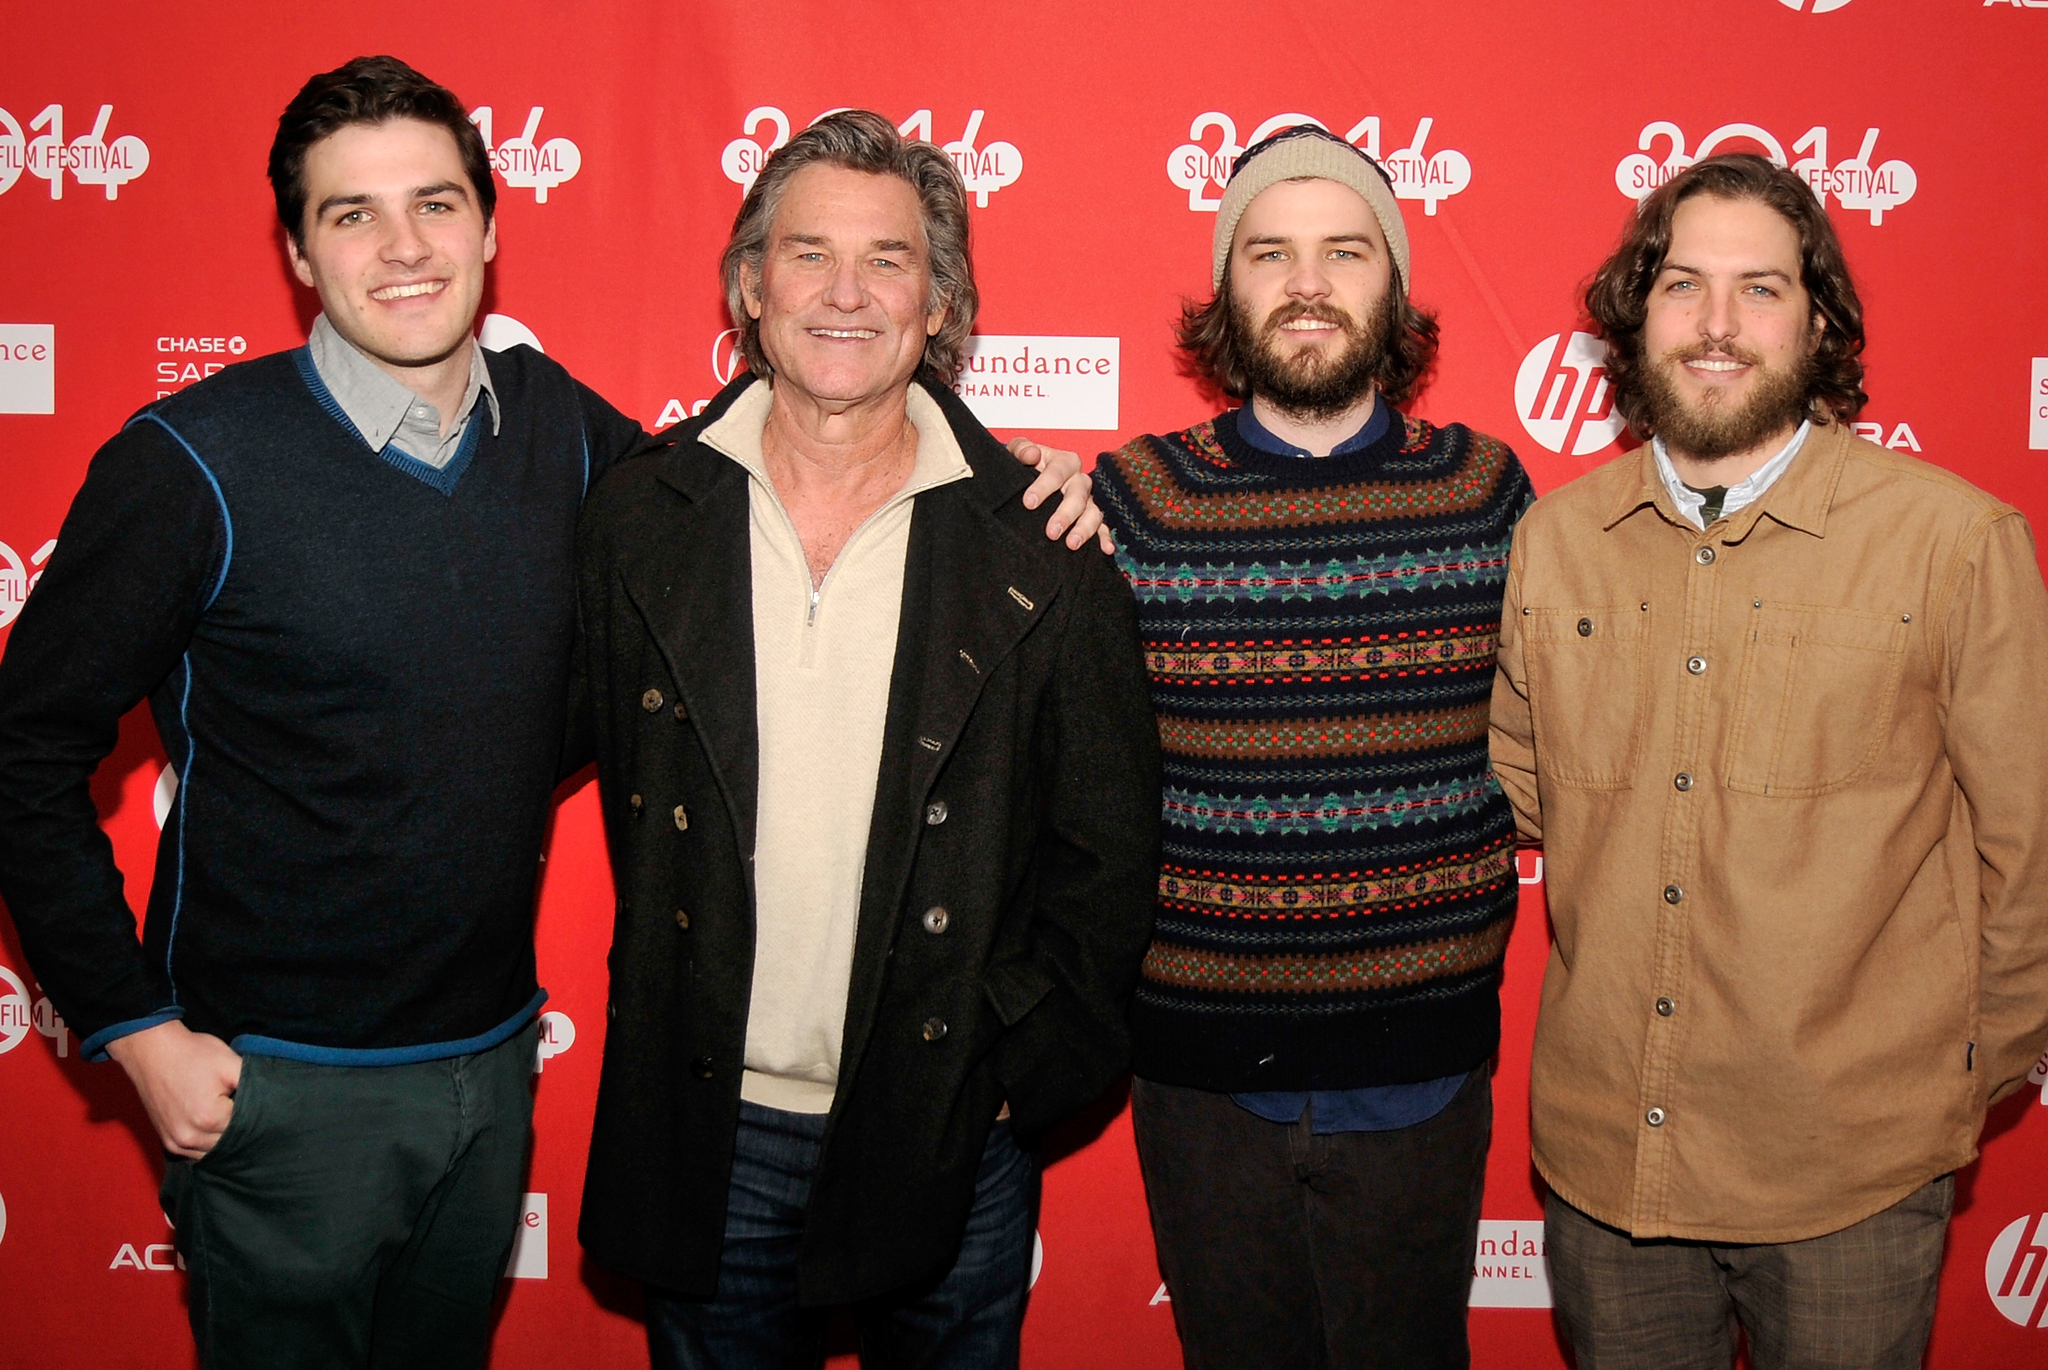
x=373 y=400
x=1258 y=435
x=1744 y=492
x=737 y=434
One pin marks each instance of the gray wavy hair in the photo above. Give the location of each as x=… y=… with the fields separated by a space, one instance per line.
x=860 y=140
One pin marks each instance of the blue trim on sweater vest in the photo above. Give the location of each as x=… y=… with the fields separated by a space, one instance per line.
x=250 y=1044
x=442 y=478
x=227 y=522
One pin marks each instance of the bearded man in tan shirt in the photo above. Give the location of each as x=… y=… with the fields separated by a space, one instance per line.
x=1770 y=696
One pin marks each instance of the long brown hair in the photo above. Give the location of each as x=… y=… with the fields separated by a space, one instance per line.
x=1617 y=299
x=1214 y=347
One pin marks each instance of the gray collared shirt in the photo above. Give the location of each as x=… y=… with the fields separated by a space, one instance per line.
x=384 y=411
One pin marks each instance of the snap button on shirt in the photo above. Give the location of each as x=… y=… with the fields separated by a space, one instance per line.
x=1682 y=781
x=1672 y=894
x=1705 y=556
x=1585 y=627
x=1697 y=665
x=936 y=920
x=1655 y=1117
x=1665 y=1008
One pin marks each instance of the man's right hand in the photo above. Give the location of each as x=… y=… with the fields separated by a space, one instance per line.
x=187 y=1081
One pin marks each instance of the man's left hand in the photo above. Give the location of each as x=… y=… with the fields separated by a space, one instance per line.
x=1060 y=472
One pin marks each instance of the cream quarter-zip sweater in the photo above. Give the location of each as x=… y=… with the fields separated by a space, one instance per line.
x=823 y=657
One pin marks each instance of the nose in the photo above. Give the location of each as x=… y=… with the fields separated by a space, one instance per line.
x=845 y=290
x=1721 y=317
x=404 y=244
x=1308 y=281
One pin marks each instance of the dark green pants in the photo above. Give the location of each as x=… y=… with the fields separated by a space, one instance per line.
x=356 y=1216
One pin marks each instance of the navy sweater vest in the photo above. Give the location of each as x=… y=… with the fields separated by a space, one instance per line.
x=364 y=702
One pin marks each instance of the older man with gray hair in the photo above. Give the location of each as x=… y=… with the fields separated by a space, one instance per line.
x=881 y=784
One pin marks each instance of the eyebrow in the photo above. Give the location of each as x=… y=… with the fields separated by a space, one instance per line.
x=879 y=245
x=440 y=190
x=1760 y=274
x=1277 y=240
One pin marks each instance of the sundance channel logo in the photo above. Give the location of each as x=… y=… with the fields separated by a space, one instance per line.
x=1202 y=171
x=1042 y=382
x=984 y=168
x=1857 y=183
x=88 y=159
x=28 y=368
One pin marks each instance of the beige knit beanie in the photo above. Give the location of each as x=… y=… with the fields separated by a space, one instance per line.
x=1303 y=151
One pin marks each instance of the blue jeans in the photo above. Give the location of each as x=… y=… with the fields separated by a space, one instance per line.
x=969 y=1318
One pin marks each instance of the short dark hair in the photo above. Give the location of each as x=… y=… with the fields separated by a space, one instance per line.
x=1212 y=344
x=1617 y=300
x=861 y=140
x=368 y=90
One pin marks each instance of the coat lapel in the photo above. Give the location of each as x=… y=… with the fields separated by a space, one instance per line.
x=692 y=580
x=972 y=590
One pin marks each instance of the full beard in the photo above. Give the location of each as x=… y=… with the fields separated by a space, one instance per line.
x=1709 y=429
x=1310 y=386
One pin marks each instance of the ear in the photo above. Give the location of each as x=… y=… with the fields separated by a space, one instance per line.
x=301 y=268
x=1817 y=328
x=491 y=239
x=750 y=291
x=935 y=317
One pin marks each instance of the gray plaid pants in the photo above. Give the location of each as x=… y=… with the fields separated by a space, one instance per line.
x=1858 y=1299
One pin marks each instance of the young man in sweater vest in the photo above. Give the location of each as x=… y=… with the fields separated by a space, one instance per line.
x=1771 y=698
x=343 y=577
x=1319 y=584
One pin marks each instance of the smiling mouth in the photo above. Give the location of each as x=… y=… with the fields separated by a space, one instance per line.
x=1719 y=365
x=857 y=334
x=1308 y=326
x=406 y=292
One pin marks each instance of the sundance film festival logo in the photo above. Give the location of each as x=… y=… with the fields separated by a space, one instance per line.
x=524 y=162
x=1202 y=171
x=1820 y=6
x=88 y=159
x=1857 y=183
x=17 y=580
x=19 y=1013
x=2037 y=402
x=28 y=368
x=984 y=168
x=1563 y=397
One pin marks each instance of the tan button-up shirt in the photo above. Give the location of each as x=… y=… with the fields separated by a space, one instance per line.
x=1791 y=778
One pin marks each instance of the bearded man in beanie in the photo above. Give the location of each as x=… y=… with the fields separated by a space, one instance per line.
x=1319 y=585
x=1771 y=698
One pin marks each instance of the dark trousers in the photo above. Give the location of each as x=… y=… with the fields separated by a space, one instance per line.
x=355 y=1217
x=968 y=1319
x=1858 y=1299
x=1283 y=1249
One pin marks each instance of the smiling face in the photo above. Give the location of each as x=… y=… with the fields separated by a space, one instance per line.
x=844 y=293
x=394 y=240
x=1729 y=332
x=1310 y=283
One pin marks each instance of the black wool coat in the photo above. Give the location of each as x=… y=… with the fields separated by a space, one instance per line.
x=1019 y=791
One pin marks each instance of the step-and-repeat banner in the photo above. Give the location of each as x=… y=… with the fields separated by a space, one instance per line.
x=139 y=254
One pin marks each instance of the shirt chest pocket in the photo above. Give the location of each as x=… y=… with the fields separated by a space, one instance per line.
x=1586 y=692
x=1818 y=689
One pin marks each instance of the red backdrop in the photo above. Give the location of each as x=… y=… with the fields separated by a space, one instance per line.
x=140 y=252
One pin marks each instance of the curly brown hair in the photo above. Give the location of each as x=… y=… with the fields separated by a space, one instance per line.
x=1210 y=340
x=1617 y=299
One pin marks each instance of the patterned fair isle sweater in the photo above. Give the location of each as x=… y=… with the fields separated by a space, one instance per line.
x=1338 y=877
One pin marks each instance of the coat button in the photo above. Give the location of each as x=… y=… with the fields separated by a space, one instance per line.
x=1672 y=894
x=1585 y=627
x=934 y=1028
x=1665 y=1008
x=936 y=919
x=682 y=819
x=935 y=813
x=681 y=712
x=701 y=1068
x=651 y=701
x=683 y=919
x=1696 y=664
x=635 y=803
x=1655 y=1117
x=1705 y=556
x=1682 y=781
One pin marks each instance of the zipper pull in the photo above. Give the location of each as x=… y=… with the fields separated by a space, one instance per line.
x=811 y=615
